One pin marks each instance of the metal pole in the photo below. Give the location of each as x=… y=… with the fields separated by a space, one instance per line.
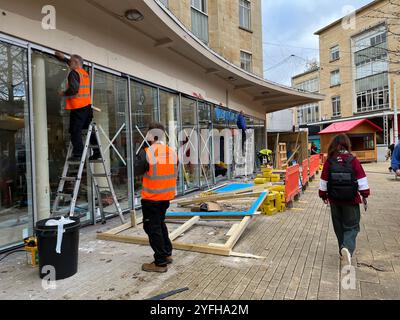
x=396 y=120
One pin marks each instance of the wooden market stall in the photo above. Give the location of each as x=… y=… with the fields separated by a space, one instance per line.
x=362 y=134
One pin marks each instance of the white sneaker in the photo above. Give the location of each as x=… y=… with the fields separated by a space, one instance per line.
x=346 y=256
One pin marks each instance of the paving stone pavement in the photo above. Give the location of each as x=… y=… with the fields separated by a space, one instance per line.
x=300 y=249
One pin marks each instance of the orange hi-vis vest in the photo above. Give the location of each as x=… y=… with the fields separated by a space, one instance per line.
x=83 y=97
x=159 y=183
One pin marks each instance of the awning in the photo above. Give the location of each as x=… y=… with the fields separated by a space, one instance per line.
x=346 y=126
x=167 y=32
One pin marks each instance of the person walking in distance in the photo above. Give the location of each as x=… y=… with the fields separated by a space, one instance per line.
x=159 y=165
x=343 y=183
x=78 y=100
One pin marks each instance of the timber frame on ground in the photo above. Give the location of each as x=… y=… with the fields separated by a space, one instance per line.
x=223 y=249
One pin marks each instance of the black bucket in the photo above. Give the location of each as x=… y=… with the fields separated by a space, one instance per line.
x=65 y=264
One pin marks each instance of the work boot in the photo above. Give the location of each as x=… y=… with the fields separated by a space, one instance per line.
x=169 y=259
x=152 y=267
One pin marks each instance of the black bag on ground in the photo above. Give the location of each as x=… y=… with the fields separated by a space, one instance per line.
x=342 y=183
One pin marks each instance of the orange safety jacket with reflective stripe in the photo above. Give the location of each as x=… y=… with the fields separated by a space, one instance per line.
x=83 y=97
x=159 y=183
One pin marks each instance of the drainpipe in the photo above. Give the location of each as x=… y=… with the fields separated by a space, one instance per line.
x=41 y=137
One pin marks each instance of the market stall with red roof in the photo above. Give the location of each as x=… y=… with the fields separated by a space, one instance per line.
x=362 y=134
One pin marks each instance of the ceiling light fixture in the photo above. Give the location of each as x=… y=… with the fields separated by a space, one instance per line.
x=134 y=15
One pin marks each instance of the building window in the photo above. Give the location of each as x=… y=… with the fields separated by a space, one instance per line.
x=311 y=85
x=308 y=113
x=246 y=61
x=200 y=5
x=245 y=14
x=336 y=109
x=335 y=78
x=335 y=53
x=372 y=65
x=373 y=100
x=200 y=20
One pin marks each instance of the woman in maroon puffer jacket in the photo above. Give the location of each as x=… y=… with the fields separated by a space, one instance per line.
x=345 y=213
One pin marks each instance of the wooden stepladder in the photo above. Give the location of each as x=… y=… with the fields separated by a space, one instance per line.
x=75 y=179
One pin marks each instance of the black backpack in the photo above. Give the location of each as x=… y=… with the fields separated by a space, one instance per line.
x=342 y=183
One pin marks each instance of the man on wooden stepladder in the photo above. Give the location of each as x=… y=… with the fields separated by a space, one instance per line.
x=79 y=101
x=159 y=165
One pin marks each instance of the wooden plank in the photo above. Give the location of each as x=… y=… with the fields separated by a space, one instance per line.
x=201 y=248
x=217 y=198
x=124 y=227
x=133 y=218
x=238 y=232
x=246 y=255
x=186 y=226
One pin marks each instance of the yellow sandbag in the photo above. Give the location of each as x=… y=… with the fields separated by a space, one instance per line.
x=260 y=181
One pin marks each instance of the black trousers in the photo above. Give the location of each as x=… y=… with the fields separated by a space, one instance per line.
x=80 y=119
x=156 y=229
x=243 y=140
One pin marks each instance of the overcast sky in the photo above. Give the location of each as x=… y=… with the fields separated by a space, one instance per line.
x=288 y=29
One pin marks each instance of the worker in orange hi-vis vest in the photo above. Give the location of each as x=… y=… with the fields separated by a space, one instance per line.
x=158 y=163
x=78 y=100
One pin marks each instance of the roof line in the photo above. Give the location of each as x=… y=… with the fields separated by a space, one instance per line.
x=368 y=5
x=239 y=72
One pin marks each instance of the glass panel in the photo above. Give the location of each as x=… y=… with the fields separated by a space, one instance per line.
x=50 y=77
x=200 y=25
x=169 y=103
x=219 y=146
x=259 y=138
x=144 y=111
x=189 y=144
x=15 y=176
x=205 y=137
x=111 y=96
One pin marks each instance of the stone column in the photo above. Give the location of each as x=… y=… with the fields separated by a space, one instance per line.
x=41 y=138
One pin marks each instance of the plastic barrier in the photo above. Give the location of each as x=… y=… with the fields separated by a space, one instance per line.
x=314 y=165
x=292 y=182
x=304 y=173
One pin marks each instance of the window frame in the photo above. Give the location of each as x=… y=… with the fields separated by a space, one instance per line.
x=333 y=52
x=250 y=61
x=332 y=77
x=336 y=106
x=204 y=5
x=245 y=9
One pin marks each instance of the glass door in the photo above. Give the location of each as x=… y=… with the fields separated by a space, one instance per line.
x=205 y=142
x=144 y=110
x=110 y=95
x=16 y=214
x=169 y=107
x=220 y=141
x=188 y=138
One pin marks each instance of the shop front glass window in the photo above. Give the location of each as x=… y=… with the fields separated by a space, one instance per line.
x=189 y=144
x=169 y=106
x=51 y=126
x=144 y=100
x=111 y=97
x=15 y=173
x=205 y=141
